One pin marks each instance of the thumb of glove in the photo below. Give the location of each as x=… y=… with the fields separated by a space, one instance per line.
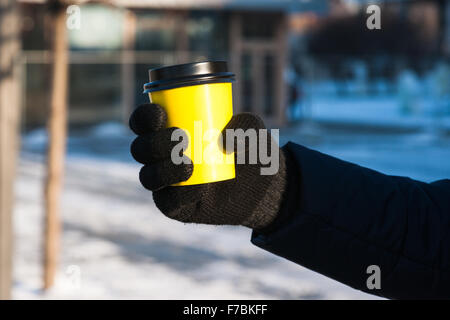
x=236 y=132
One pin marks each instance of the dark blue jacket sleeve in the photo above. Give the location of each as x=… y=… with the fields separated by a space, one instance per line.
x=338 y=218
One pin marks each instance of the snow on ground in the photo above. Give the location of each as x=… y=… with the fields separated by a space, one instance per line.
x=383 y=110
x=115 y=243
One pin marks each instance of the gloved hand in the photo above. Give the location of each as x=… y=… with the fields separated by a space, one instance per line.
x=251 y=199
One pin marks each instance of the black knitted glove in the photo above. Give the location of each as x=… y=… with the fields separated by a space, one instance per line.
x=251 y=199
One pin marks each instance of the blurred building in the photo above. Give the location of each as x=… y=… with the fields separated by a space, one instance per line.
x=116 y=44
x=338 y=47
x=263 y=40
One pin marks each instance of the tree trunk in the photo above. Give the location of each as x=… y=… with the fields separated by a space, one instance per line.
x=57 y=146
x=128 y=65
x=9 y=116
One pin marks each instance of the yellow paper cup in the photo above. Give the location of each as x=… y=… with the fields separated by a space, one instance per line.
x=198 y=99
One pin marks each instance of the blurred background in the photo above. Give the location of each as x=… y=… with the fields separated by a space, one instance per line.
x=318 y=70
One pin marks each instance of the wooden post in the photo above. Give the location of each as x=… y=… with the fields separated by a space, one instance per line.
x=236 y=59
x=182 y=39
x=9 y=119
x=445 y=13
x=258 y=84
x=128 y=65
x=280 y=64
x=57 y=145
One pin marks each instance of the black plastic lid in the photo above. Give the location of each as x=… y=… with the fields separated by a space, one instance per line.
x=188 y=74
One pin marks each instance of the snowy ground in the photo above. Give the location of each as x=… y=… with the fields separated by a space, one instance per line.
x=117 y=245
x=382 y=111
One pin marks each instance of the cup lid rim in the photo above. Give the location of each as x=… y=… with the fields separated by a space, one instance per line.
x=193 y=69
x=188 y=74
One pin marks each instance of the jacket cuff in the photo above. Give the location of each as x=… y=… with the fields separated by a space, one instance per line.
x=290 y=198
